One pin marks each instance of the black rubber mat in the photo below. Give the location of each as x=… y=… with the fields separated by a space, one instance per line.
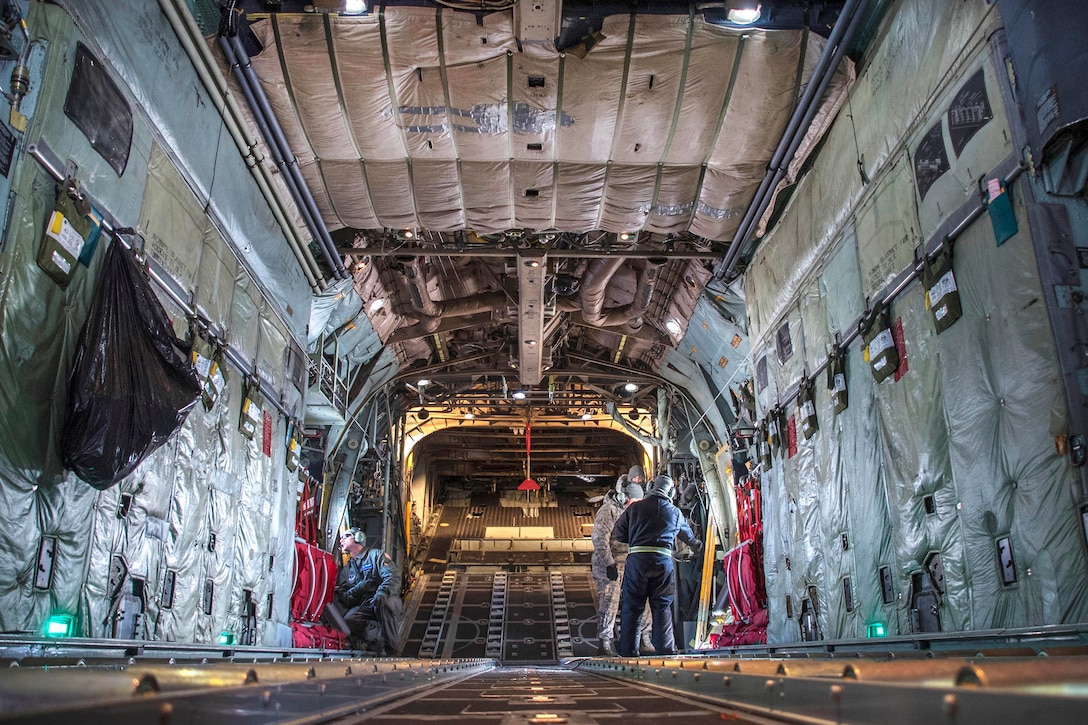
x=511 y=695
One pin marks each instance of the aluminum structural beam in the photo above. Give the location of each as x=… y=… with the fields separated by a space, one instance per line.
x=532 y=266
x=506 y=252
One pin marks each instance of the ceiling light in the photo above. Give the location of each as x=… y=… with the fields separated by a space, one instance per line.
x=407 y=234
x=626 y=236
x=470 y=415
x=354 y=7
x=530 y=343
x=587 y=415
x=376 y=305
x=532 y=263
x=630 y=387
x=673 y=327
x=423 y=382
x=745 y=13
x=519 y=395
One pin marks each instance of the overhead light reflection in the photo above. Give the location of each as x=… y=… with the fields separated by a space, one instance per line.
x=745 y=13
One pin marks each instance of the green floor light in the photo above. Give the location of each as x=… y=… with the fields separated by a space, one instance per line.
x=60 y=625
x=876 y=629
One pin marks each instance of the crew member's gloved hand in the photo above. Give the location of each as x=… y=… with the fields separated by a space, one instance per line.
x=377 y=600
x=612 y=571
x=697 y=547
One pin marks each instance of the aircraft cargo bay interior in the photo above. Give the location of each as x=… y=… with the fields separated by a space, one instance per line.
x=543 y=361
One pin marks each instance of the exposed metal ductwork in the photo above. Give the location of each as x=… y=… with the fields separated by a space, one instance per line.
x=595 y=286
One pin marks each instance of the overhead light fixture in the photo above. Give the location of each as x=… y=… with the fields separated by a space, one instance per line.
x=532 y=263
x=673 y=327
x=743 y=13
x=587 y=415
x=630 y=387
x=565 y=285
x=376 y=305
x=423 y=382
x=406 y=234
x=354 y=7
x=530 y=343
x=626 y=236
x=470 y=415
x=226 y=638
x=519 y=395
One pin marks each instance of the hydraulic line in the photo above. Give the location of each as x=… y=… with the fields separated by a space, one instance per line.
x=190 y=39
x=289 y=163
x=791 y=139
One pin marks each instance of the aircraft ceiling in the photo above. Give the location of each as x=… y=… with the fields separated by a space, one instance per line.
x=515 y=217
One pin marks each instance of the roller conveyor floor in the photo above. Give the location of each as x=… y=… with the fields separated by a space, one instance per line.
x=545 y=695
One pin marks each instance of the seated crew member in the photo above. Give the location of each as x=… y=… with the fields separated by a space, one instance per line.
x=368 y=591
x=649 y=527
x=609 y=556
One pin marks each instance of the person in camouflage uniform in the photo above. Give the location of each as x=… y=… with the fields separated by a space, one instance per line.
x=609 y=557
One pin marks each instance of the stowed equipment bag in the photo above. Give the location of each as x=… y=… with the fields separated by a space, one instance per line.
x=132 y=383
x=879 y=350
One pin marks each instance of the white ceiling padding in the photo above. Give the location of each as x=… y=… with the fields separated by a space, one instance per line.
x=418 y=117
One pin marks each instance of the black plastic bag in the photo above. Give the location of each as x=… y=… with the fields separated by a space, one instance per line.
x=132 y=381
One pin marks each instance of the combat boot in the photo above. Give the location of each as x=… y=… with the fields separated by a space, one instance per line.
x=646 y=646
x=606 y=648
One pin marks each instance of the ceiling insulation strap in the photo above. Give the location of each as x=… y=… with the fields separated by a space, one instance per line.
x=330 y=40
x=558 y=130
x=619 y=114
x=675 y=112
x=510 y=135
x=718 y=125
x=449 y=107
x=679 y=94
x=395 y=105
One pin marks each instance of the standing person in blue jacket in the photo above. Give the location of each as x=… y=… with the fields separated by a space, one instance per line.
x=649 y=527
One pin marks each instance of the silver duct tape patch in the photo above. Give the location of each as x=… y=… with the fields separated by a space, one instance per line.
x=709 y=211
x=226 y=483
x=489 y=118
x=673 y=210
x=156 y=528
